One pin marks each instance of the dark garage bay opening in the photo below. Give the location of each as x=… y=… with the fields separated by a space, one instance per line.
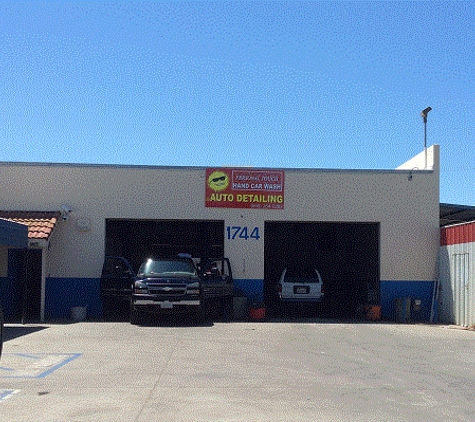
x=137 y=239
x=345 y=253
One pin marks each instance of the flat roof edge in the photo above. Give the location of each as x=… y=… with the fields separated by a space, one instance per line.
x=164 y=167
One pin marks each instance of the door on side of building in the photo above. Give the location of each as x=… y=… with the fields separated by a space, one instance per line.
x=24 y=277
x=463 y=290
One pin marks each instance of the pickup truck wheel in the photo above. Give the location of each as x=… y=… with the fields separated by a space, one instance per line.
x=228 y=312
x=201 y=314
x=134 y=316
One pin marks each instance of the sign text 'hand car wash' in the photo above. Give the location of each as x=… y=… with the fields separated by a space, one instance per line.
x=244 y=188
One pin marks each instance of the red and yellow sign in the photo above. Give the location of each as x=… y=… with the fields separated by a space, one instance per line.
x=244 y=188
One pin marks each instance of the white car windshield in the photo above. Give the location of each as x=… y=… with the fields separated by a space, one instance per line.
x=299 y=276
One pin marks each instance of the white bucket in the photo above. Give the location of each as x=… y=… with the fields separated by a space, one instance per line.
x=78 y=313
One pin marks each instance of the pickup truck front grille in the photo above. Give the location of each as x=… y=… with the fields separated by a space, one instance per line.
x=167 y=289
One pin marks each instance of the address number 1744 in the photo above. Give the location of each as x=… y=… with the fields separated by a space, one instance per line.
x=242 y=232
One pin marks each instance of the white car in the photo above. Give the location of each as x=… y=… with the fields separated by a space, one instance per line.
x=294 y=286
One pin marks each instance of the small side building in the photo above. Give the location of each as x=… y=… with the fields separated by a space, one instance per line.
x=457 y=275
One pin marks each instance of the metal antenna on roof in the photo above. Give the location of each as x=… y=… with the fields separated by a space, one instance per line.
x=424 y=114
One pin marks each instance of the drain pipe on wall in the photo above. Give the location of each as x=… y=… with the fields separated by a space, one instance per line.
x=435 y=296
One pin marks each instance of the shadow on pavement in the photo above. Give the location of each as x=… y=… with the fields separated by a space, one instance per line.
x=174 y=321
x=11 y=332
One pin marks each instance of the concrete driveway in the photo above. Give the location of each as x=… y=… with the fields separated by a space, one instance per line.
x=307 y=370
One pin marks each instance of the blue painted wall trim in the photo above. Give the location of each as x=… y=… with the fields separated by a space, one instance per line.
x=392 y=289
x=64 y=293
x=253 y=289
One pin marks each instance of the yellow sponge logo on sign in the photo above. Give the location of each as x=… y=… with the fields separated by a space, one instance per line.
x=218 y=180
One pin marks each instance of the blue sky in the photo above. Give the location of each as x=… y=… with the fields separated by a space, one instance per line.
x=295 y=84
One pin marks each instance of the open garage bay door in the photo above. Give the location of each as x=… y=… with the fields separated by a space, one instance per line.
x=346 y=255
x=136 y=239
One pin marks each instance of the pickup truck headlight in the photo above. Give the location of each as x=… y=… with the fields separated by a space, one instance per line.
x=193 y=288
x=140 y=288
x=193 y=291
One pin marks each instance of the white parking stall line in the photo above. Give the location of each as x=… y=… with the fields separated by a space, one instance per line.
x=6 y=394
x=33 y=365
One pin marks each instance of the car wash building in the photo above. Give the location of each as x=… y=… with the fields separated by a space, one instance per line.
x=372 y=234
x=456 y=292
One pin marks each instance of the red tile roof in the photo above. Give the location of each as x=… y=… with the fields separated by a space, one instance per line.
x=40 y=223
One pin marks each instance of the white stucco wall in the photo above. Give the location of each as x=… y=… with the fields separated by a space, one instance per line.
x=407 y=209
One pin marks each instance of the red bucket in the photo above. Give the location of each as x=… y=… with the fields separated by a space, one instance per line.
x=257 y=314
x=373 y=312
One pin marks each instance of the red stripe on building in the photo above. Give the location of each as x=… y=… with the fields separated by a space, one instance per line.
x=463 y=233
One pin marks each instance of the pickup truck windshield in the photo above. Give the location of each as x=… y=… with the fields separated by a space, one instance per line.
x=153 y=267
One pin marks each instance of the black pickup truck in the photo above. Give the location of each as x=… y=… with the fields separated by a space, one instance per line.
x=166 y=284
x=117 y=278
